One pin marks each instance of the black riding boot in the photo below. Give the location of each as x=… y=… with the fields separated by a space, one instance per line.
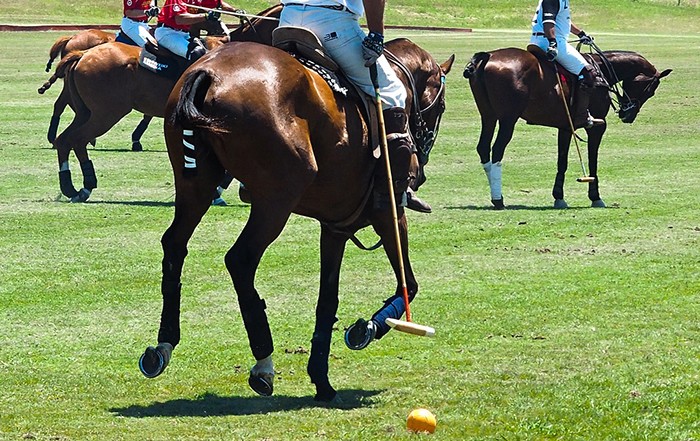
x=395 y=124
x=581 y=116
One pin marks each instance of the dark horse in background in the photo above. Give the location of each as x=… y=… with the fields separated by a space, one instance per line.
x=257 y=113
x=512 y=83
x=106 y=83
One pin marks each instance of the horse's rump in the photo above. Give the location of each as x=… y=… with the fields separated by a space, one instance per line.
x=280 y=120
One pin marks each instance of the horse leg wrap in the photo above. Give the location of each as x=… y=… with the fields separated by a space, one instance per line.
x=66 y=183
x=189 y=153
x=89 y=177
x=257 y=327
x=495 y=180
x=394 y=307
x=169 y=331
x=53 y=128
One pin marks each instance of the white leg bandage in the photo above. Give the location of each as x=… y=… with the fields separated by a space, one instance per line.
x=495 y=177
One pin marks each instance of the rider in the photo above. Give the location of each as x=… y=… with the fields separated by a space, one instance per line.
x=336 y=23
x=551 y=25
x=135 y=22
x=175 y=20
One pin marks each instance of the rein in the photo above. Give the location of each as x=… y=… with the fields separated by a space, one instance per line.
x=424 y=138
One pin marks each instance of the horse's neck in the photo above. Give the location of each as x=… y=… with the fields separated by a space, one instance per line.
x=626 y=65
x=258 y=30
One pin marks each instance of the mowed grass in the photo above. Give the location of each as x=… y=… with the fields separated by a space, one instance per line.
x=579 y=324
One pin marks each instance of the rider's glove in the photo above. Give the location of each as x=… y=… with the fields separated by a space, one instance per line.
x=153 y=11
x=372 y=47
x=584 y=38
x=213 y=16
x=552 y=51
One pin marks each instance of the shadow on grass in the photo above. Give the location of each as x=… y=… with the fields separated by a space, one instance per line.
x=520 y=208
x=215 y=405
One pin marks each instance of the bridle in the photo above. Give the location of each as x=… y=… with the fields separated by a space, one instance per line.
x=622 y=103
x=423 y=138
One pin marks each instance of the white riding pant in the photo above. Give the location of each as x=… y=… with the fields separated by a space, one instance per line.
x=136 y=30
x=567 y=56
x=173 y=40
x=341 y=36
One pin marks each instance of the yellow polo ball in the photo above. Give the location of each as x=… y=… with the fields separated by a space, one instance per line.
x=421 y=420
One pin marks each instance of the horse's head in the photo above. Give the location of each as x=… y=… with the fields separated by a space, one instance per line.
x=424 y=79
x=639 y=78
x=637 y=91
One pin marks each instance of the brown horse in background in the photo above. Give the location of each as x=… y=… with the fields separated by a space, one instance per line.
x=508 y=84
x=257 y=113
x=106 y=83
x=83 y=41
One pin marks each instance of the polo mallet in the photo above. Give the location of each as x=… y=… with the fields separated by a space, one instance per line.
x=235 y=14
x=585 y=177
x=404 y=326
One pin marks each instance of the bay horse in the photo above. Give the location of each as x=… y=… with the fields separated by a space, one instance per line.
x=106 y=83
x=257 y=113
x=512 y=83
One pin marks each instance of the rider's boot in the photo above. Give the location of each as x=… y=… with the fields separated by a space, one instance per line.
x=399 y=146
x=588 y=80
x=195 y=50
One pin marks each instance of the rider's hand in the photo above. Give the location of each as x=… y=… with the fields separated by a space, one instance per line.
x=240 y=11
x=213 y=16
x=552 y=50
x=584 y=38
x=153 y=11
x=372 y=47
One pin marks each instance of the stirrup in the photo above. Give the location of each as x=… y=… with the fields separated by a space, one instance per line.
x=360 y=334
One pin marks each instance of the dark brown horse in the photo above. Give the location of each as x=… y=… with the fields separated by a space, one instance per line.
x=512 y=83
x=257 y=113
x=106 y=83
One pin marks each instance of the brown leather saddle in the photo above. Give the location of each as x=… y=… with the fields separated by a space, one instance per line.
x=302 y=43
x=567 y=78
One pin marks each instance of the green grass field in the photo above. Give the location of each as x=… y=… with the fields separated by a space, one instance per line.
x=577 y=324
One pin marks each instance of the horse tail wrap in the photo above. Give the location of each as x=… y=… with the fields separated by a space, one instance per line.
x=56 y=50
x=189 y=115
x=476 y=65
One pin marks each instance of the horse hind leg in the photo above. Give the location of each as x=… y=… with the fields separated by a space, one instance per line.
x=268 y=215
x=138 y=133
x=192 y=203
x=563 y=144
x=494 y=168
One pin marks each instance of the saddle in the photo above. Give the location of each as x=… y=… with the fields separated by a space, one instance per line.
x=303 y=45
x=161 y=61
x=567 y=78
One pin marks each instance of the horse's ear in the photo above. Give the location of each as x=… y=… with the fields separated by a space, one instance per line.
x=447 y=65
x=664 y=73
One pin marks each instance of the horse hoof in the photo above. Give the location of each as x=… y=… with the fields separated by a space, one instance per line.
x=136 y=146
x=598 y=204
x=325 y=392
x=498 y=204
x=360 y=334
x=560 y=204
x=82 y=196
x=154 y=360
x=261 y=385
x=244 y=194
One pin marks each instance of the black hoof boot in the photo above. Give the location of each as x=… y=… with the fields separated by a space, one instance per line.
x=324 y=392
x=136 y=146
x=360 y=334
x=154 y=360
x=261 y=385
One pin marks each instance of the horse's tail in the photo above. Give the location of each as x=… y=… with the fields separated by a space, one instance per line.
x=56 y=50
x=188 y=111
x=66 y=64
x=476 y=65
